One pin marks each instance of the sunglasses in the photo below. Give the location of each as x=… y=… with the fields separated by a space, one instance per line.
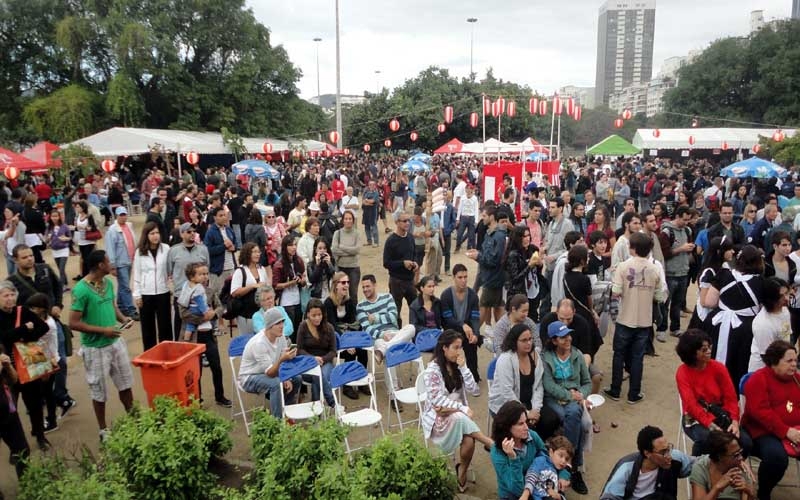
x=344 y=282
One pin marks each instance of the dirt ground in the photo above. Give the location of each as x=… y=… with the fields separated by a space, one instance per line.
x=660 y=406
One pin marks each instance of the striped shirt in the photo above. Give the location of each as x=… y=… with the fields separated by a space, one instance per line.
x=468 y=207
x=385 y=311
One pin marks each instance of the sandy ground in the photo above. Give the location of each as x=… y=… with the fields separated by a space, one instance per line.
x=659 y=408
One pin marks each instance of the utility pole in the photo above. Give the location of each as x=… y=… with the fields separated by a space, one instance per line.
x=338 y=83
x=377 y=81
x=472 y=21
x=319 y=94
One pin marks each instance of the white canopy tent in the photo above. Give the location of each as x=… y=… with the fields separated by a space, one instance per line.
x=119 y=141
x=493 y=146
x=704 y=138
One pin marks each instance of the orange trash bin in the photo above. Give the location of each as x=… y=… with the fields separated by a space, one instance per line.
x=171 y=369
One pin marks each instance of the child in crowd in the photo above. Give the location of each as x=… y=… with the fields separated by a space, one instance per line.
x=193 y=297
x=39 y=304
x=541 y=480
x=598 y=265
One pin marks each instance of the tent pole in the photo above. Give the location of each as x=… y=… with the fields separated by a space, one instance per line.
x=179 y=161
x=552 y=126
x=558 y=157
x=483 y=112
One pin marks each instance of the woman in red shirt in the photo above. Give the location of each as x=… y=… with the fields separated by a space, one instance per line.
x=705 y=388
x=772 y=413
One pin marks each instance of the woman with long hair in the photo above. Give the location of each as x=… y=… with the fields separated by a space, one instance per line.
x=578 y=286
x=426 y=310
x=150 y=289
x=244 y=282
x=288 y=277
x=523 y=269
x=35 y=227
x=749 y=217
x=660 y=210
x=340 y=309
x=320 y=269
x=447 y=419
x=517 y=312
x=739 y=202
x=346 y=247
x=84 y=222
x=316 y=337
x=59 y=237
x=719 y=255
x=602 y=222
x=254 y=232
x=773 y=321
x=200 y=226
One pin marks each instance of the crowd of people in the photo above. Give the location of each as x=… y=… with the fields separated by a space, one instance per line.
x=614 y=247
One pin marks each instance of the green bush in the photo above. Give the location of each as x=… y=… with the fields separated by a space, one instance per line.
x=165 y=453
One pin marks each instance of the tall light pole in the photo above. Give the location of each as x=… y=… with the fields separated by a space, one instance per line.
x=472 y=21
x=319 y=95
x=377 y=81
x=338 y=84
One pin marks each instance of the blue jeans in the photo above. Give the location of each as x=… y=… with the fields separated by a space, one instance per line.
x=629 y=345
x=466 y=223
x=570 y=414
x=262 y=384
x=677 y=286
x=60 y=393
x=327 y=368
x=774 y=462
x=372 y=233
x=124 y=296
x=698 y=434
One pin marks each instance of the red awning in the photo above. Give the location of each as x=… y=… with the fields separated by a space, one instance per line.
x=11 y=159
x=42 y=153
x=452 y=146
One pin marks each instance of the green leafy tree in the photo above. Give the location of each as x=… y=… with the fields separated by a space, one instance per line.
x=124 y=102
x=65 y=115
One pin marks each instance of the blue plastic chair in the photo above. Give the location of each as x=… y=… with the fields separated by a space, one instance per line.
x=347 y=373
x=235 y=352
x=296 y=366
x=426 y=339
x=489 y=378
x=301 y=365
x=398 y=354
x=744 y=380
x=353 y=340
x=236 y=347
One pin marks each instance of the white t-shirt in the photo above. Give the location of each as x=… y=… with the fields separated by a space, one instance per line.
x=646 y=484
x=250 y=279
x=767 y=328
x=349 y=200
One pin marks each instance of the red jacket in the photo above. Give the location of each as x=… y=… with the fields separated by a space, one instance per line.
x=337 y=186
x=773 y=405
x=712 y=384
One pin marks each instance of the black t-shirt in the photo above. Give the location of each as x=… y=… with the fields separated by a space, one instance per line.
x=526 y=384
x=583 y=337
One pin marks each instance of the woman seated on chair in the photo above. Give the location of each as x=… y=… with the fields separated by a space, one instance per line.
x=518 y=376
x=772 y=413
x=723 y=473
x=447 y=418
x=426 y=310
x=340 y=310
x=316 y=337
x=706 y=391
x=265 y=295
x=515 y=447
x=517 y=314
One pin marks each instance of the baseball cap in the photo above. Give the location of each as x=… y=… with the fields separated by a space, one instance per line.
x=186 y=226
x=121 y=211
x=558 y=329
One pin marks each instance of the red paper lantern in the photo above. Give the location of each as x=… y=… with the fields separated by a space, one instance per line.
x=778 y=136
x=656 y=133
x=414 y=136
x=267 y=148
x=618 y=123
x=327 y=153
x=387 y=143
x=627 y=114
x=333 y=137
x=557 y=105
x=691 y=140
x=346 y=151
x=394 y=125
x=487 y=106
x=577 y=113
x=441 y=128
x=312 y=154
x=757 y=148
x=512 y=109
x=502 y=101
x=496 y=109
x=724 y=145
x=448 y=114
x=533 y=105
x=109 y=165
x=268 y=157
x=571 y=106
x=192 y=158
x=12 y=172
x=367 y=148
x=473 y=120
x=542 y=107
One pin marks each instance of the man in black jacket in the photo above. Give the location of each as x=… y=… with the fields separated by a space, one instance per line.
x=460 y=312
x=726 y=227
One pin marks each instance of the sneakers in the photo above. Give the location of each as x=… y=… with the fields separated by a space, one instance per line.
x=661 y=336
x=350 y=392
x=225 y=402
x=614 y=396
x=396 y=406
x=104 y=435
x=364 y=389
x=50 y=425
x=676 y=333
x=43 y=443
x=204 y=360
x=578 y=484
x=66 y=406
x=134 y=315
x=636 y=399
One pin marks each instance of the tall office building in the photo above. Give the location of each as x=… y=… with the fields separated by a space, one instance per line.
x=795 y=9
x=625 y=34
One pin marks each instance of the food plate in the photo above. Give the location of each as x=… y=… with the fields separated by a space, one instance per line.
x=596 y=400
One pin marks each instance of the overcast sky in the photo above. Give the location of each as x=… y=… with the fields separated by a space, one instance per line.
x=545 y=44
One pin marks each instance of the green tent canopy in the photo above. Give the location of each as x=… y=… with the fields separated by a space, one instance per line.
x=613 y=145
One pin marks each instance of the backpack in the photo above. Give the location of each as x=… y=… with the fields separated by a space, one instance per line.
x=712 y=202
x=227 y=300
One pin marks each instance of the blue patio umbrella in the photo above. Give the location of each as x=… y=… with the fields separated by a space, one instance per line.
x=415 y=166
x=537 y=156
x=754 y=167
x=421 y=157
x=256 y=168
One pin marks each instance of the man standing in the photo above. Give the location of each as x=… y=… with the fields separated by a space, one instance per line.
x=95 y=314
x=632 y=223
x=534 y=223
x=420 y=189
x=371 y=201
x=758 y=234
x=636 y=283
x=628 y=207
x=725 y=227
x=554 y=246
x=466 y=215
x=378 y=316
x=350 y=202
x=448 y=226
x=460 y=191
x=178 y=259
x=154 y=215
x=460 y=313
x=31 y=278
x=219 y=241
x=677 y=246
x=650 y=229
x=398 y=259
x=490 y=264
x=120 y=248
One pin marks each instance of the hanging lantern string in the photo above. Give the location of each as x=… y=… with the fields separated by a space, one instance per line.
x=729 y=120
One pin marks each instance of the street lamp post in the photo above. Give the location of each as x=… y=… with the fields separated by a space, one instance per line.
x=472 y=21
x=338 y=84
x=317 y=40
x=377 y=81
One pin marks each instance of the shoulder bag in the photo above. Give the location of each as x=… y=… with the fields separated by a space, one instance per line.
x=30 y=359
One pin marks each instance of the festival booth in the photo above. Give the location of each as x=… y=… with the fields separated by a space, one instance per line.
x=453 y=146
x=42 y=153
x=613 y=145
x=492 y=147
x=493 y=174
x=729 y=143
x=9 y=158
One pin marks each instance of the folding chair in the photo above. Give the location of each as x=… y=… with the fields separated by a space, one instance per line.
x=235 y=351
x=489 y=377
x=422 y=396
x=346 y=373
x=301 y=365
x=396 y=355
x=357 y=340
x=682 y=443
x=426 y=339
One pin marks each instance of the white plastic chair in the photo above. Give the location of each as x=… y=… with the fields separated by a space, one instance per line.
x=489 y=377
x=396 y=355
x=346 y=373
x=356 y=340
x=235 y=351
x=422 y=396
x=301 y=365
x=683 y=440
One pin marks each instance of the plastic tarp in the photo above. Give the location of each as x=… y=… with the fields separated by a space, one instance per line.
x=450 y=147
x=704 y=138
x=9 y=158
x=43 y=153
x=120 y=141
x=613 y=145
x=493 y=146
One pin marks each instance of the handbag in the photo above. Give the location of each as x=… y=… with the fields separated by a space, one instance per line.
x=30 y=359
x=722 y=418
x=93 y=235
x=793 y=450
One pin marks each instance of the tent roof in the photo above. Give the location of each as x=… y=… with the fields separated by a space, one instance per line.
x=613 y=145
x=493 y=146
x=119 y=141
x=451 y=146
x=9 y=158
x=705 y=138
x=43 y=153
